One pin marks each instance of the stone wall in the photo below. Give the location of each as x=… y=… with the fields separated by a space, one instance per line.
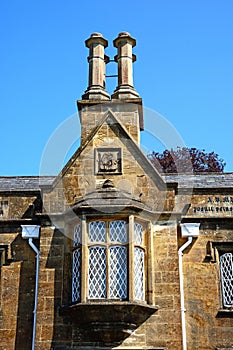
x=17 y=274
x=208 y=325
x=17 y=295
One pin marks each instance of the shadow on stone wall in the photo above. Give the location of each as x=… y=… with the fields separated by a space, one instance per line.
x=26 y=292
x=59 y=259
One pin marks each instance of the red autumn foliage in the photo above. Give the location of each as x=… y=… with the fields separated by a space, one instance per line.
x=187 y=160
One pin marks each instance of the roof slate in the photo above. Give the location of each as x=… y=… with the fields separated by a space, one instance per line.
x=24 y=183
x=34 y=183
x=218 y=180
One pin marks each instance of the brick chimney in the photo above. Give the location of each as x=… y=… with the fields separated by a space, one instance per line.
x=125 y=89
x=97 y=67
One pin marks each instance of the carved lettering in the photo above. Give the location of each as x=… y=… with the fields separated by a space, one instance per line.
x=215 y=205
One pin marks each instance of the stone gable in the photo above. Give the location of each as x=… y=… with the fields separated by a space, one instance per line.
x=131 y=173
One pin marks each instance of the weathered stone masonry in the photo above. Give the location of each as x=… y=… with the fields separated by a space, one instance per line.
x=110 y=231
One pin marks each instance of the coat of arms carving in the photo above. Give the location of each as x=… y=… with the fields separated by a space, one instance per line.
x=108 y=160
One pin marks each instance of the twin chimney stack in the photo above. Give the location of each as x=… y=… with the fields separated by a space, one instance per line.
x=96 y=102
x=97 y=68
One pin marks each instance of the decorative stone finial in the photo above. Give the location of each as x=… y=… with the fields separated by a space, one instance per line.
x=108 y=184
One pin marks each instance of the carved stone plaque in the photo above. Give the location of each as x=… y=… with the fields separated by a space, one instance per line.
x=108 y=161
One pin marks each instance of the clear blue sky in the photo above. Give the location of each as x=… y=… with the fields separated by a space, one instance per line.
x=184 y=69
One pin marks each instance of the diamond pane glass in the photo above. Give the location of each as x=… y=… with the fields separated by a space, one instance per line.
x=118 y=232
x=138 y=273
x=77 y=235
x=118 y=272
x=97 y=231
x=226 y=267
x=97 y=272
x=76 y=275
x=138 y=233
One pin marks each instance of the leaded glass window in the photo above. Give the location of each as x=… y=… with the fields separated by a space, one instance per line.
x=138 y=233
x=76 y=275
x=113 y=262
x=97 y=272
x=107 y=262
x=138 y=273
x=76 y=265
x=97 y=231
x=77 y=235
x=118 y=231
x=118 y=272
x=226 y=268
x=139 y=257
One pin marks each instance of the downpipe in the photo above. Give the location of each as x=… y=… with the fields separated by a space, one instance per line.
x=32 y=245
x=182 y=306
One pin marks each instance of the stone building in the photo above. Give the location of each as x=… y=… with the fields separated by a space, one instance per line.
x=109 y=254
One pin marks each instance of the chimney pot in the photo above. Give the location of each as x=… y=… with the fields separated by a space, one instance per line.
x=97 y=66
x=124 y=34
x=124 y=44
x=96 y=35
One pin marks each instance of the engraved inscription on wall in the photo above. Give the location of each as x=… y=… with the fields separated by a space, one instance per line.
x=215 y=205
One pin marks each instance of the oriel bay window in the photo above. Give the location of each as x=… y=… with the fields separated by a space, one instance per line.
x=109 y=260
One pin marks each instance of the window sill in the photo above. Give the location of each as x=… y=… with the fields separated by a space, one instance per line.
x=225 y=313
x=115 y=320
x=114 y=311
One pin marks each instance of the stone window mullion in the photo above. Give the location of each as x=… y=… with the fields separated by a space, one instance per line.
x=107 y=261
x=84 y=260
x=150 y=263
x=131 y=258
